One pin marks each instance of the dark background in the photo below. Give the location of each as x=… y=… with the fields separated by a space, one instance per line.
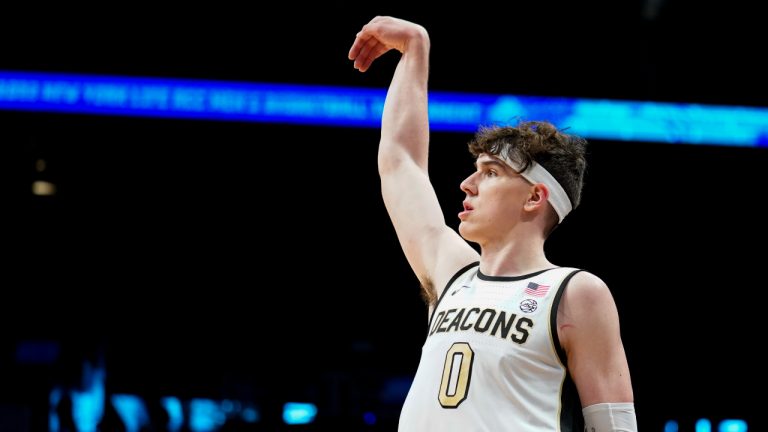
x=256 y=261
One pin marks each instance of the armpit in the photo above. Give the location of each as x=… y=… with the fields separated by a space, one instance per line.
x=428 y=293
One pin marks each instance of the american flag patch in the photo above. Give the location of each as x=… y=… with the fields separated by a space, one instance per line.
x=536 y=290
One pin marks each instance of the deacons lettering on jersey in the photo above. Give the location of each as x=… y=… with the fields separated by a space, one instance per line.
x=491 y=361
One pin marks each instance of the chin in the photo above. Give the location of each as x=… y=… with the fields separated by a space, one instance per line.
x=466 y=232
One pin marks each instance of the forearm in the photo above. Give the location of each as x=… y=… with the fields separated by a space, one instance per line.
x=405 y=121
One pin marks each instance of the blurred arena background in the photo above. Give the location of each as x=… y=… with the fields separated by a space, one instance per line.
x=195 y=274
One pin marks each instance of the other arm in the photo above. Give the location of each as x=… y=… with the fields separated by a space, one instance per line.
x=588 y=328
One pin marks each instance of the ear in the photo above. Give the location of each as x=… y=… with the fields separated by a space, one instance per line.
x=537 y=197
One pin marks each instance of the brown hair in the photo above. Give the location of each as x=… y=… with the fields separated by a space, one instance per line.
x=559 y=153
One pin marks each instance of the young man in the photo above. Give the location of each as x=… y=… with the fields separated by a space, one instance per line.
x=512 y=337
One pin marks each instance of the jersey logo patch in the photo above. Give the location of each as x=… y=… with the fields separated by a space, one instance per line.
x=528 y=305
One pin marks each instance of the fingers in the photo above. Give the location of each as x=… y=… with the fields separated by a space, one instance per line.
x=370 y=50
x=354 y=50
x=362 y=37
x=378 y=51
x=368 y=44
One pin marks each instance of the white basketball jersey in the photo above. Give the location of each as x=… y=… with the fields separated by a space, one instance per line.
x=492 y=360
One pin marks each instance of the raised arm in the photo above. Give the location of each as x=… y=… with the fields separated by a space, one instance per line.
x=434 y=251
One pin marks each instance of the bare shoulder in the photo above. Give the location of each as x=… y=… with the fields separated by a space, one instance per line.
x=587 y=290
x=587 y=306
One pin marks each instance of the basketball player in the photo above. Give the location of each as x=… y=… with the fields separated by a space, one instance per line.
x=515 y=343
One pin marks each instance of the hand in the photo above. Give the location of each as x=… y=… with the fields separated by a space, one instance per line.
x=381 y=35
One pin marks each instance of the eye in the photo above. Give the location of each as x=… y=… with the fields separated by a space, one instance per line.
x=490 y=173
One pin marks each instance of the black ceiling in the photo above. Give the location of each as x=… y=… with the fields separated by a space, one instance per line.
x=676 y=50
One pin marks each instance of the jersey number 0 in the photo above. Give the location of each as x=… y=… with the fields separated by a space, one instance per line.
x=457 y=372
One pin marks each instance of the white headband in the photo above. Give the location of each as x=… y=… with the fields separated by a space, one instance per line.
x=537 y=174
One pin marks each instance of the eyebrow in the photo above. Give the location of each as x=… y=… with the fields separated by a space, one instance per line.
x=489 y=162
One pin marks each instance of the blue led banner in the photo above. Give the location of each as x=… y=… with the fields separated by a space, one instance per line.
x=360 y=107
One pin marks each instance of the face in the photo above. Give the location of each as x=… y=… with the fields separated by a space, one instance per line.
x=496 y=195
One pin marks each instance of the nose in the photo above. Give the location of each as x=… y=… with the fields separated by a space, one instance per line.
x=468 y=185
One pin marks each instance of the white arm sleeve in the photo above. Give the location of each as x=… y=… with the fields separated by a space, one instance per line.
x=610 y=417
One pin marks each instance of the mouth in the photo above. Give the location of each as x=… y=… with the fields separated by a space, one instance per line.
x=467 y=207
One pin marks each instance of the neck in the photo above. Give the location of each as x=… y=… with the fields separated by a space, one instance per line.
x=520 y=253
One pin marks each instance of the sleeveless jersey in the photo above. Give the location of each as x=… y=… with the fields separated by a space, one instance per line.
x=492 y=359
